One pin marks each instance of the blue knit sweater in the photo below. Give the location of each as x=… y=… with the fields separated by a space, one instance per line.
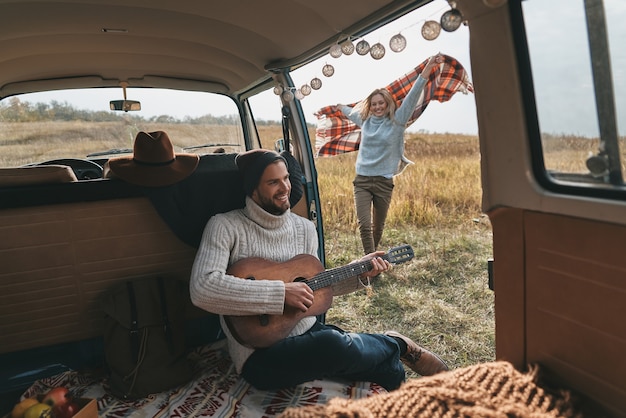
x=382 y=139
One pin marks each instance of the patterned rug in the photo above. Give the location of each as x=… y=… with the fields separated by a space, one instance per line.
x=216 y=391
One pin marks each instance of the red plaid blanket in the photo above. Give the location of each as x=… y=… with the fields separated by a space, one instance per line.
x=216 y=391
x=336 y=134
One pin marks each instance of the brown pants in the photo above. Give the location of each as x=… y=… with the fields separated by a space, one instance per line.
x=372 y=197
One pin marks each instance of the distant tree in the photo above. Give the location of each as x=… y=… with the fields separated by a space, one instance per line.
x=15 y=110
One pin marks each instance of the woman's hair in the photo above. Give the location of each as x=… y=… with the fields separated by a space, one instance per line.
x=363 y=108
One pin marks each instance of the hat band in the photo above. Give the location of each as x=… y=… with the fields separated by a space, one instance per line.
x=136 y=161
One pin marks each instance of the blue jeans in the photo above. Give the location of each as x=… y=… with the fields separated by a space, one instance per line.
x=326 y=351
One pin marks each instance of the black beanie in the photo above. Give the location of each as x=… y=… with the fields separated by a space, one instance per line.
x=251 y=165
x=295 y=174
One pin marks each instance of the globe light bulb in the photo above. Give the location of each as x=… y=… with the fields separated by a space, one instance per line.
x=328 y=70
x=299 y=95
x=431 y=30
x=362 y=47
x=278 y=90
x=397 y=43
x=287 y=96
x=335 y=51
x=377 y=51
x=305 y=89
x=316 y=83
x=451 y=20
x=347 y=47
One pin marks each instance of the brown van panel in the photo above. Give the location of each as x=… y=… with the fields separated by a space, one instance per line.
x=508 y=272
x=572 y=286
x=57 y=259
x=576 y=285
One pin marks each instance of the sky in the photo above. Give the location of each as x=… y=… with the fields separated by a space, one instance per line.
x=560 y=61
x=357 y=75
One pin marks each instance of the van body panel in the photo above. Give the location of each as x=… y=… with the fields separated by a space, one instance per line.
x=559 y=298
x=57 y=259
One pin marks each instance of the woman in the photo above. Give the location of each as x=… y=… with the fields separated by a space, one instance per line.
x=381 y=153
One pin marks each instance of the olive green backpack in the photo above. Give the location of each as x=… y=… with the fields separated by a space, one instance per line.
x=144 y=337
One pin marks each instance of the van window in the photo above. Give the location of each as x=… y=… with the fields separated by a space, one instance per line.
x=579 y=82
x=266 y=108
x=39 y=127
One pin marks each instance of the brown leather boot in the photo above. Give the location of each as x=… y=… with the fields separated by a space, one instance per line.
x=418 y=359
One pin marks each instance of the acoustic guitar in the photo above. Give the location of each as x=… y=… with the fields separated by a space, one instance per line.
x=259 y=331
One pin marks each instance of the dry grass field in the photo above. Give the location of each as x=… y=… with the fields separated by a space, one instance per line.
x=441 y=298
x=441 y=188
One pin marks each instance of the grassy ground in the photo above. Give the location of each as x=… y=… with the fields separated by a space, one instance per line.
x=440 y=298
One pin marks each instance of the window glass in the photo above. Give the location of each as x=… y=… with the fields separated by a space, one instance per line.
x=267 y=110
x=40 y=127
x=573 y=122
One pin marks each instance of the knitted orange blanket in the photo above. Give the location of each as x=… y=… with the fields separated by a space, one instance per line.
x=487 y=390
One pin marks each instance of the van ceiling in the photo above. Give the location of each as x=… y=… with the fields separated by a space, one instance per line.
x=223 y=46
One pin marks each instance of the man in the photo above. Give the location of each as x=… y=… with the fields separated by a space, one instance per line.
x=266 y=229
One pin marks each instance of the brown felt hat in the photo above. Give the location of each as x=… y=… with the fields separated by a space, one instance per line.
x=154 y=162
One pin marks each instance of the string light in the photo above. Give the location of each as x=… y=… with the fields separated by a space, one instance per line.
x=287 y=95
x=328 y=70
x=316 y=83
x=452 y=19
x=449 y=21
x=397 y=43
x=431 y=30
x=347 y=47
x=363 y=47
x=305 y=89
x=335 y=51
x=377 y=51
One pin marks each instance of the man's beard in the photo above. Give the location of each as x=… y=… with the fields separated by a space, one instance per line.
x=269 y=206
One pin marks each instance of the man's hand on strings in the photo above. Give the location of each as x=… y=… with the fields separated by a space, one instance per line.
x=298 y=295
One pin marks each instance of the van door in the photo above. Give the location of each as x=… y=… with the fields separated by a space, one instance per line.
x=550 y=87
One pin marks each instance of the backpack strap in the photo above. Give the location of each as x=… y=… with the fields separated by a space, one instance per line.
x=134 y=323
x=167 y=328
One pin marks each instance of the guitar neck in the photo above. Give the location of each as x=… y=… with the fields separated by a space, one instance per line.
x=338 y=274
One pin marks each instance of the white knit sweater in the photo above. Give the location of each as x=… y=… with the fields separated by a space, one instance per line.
x=239 y=234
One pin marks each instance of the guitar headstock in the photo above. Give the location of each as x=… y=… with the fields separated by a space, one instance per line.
x=400 y=254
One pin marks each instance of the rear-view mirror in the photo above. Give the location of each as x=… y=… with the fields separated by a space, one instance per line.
x=125 y=105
